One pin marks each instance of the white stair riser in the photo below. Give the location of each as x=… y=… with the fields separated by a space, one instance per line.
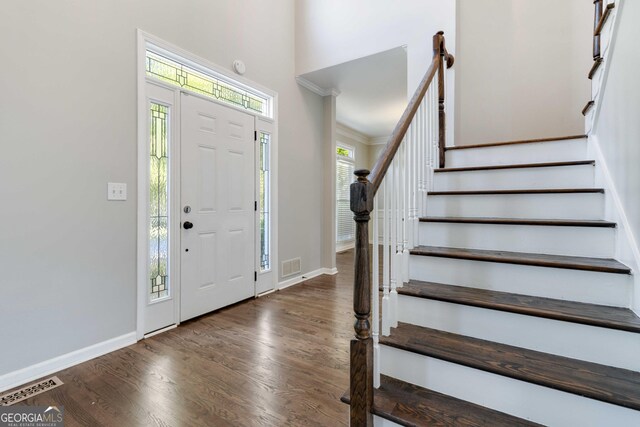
x=567 y=339
x=558 y=283
x=555 y=240
x=552 y=151
x=541 y=206
x=382 y=422
x=582 y=176
x=521 y=399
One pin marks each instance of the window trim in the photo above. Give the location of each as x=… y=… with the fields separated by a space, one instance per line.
x=351 y=149
x=351 y=160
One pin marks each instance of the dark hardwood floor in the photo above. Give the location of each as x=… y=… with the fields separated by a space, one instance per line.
x=280 y=360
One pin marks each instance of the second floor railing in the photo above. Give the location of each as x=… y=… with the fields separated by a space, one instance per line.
x=395 y=191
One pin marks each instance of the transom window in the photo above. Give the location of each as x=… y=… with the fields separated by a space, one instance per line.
x=216 y=86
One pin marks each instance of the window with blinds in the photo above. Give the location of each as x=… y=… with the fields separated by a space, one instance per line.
x=345 y=226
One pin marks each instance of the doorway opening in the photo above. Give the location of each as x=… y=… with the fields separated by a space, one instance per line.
x=207 y=185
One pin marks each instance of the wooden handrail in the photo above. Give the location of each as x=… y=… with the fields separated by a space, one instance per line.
x=362 y=194
x=596 y=37
x=603 y=20
x=588 y=107
x=395 y=139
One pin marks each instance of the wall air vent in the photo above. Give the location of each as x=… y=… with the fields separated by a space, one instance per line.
x=291 y=267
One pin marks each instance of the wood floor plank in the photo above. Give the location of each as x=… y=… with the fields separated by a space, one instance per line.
x=604 y=265
x=279 y=360
x=612 y=385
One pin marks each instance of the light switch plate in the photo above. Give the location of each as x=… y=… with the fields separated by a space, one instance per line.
x=116 y=191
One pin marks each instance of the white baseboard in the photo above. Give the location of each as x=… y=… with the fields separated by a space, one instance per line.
x=345 y=247
x=310 y=275
x=33 y=372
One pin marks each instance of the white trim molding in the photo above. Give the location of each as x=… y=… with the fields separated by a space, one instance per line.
x=48 y=367
x=346 y=132
x=315 y=88
x=147 y=41
x=304 y=277
x=379 y=140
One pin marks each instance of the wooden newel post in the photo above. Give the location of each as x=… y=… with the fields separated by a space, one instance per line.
x=361 y=376
x=439 y=51
x=596 y=19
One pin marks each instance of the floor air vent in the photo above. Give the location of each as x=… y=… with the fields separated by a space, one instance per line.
x=29 y=391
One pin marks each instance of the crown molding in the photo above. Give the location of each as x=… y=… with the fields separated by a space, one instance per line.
x=347 y=132
x=379 y=140
x=315 y=88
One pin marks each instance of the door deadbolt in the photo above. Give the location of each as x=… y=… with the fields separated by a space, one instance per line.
x=187 y=209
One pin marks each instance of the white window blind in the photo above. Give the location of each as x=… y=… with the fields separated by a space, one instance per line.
x=346 y=228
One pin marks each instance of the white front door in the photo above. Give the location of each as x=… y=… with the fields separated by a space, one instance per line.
x=218 y=215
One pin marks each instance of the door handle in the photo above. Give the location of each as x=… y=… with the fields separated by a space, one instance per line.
x=187 y=225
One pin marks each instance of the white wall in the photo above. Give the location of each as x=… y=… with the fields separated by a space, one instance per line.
x=617 y=131
x=521 y=68
x=357 y=140
x=363 y=160
x=331 y=32
x=68 y=126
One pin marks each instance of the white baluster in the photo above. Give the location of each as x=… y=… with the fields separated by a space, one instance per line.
x=409 y=189
x=416 y=176
x=405 y=211
x=395 y=265
x=375 y=294
x=424 y=147
x=386 y=315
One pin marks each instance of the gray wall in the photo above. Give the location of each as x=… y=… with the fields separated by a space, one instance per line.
x=68 y=126
x=521 y=69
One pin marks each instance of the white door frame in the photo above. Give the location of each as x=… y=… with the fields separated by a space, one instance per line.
x=269 y=124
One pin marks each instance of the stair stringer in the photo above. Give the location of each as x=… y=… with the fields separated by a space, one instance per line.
x=626 y=245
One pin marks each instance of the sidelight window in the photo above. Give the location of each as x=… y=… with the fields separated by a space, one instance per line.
x=264 y=201
x=159 y=202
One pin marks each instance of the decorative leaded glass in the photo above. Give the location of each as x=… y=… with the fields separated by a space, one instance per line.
x=181 y=75
x=265 y=224
x=159 y=202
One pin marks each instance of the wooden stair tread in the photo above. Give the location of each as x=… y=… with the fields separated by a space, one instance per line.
x=524 y=141
x=517 y=166
x=410 y=405
x=613 y=385
x=520 y=191
x=604 y=265
x=522 y=221
x=569 y=311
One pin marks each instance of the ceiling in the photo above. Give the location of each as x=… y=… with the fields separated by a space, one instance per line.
x=373 y=91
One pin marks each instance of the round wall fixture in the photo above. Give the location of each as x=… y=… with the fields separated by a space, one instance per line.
x=239 y=67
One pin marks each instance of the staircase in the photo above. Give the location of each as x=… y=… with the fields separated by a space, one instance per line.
x=492 y=296
x=515 y=310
